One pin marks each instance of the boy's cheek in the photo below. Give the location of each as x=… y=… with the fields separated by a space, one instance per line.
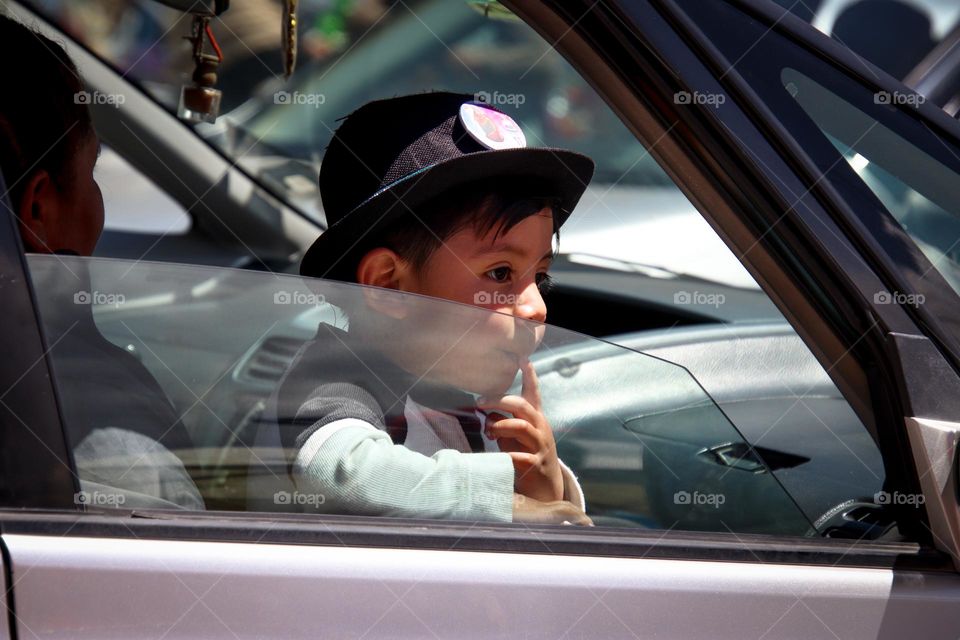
x=448 y=286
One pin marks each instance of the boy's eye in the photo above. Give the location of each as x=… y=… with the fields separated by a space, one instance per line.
x=500 y=274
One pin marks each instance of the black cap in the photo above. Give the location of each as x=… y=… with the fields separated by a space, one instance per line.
x=391 y=156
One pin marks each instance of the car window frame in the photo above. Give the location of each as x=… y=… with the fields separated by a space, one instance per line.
x=709 y=546
x=38 y=468
x=851 y=201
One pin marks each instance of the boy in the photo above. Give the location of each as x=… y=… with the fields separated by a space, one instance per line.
x=438 y=195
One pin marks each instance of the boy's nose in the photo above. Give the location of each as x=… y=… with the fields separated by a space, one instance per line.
x=530 y=304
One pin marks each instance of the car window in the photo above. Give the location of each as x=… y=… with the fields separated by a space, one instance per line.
x=277 y=129
x=916 y=188
x=869 y=144
x=632 y=219
x=168 y=374
x=633 y=224
x=638 y=266
x=132 y=202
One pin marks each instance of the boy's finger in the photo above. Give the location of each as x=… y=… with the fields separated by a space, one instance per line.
x=520 y=407
x=530 y=389
x=520 y=430
x=507 y=445
x=523 y=462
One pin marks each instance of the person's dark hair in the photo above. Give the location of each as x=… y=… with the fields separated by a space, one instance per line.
x=42 y=121
x=485 y=206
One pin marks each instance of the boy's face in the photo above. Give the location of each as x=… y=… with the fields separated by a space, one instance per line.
x=85 y=225
x=481 y=352
x=496 y=273
x=64 y=213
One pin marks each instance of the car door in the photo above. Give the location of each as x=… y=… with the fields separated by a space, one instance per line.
x=685 y=528
x=85 y=569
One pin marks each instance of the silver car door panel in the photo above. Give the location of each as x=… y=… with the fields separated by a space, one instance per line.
x=111 y=588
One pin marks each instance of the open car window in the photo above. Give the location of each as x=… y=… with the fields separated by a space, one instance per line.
x=168 y=378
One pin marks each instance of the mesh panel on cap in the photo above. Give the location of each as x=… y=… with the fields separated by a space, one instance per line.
x=447 y=140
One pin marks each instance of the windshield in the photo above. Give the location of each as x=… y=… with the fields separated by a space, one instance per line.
x=631 y=219
x=350 y=53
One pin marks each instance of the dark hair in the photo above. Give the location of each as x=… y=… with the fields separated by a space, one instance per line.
x=485 y=206
x=42 y=121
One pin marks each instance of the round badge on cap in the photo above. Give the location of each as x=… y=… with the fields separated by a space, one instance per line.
x=489 y=127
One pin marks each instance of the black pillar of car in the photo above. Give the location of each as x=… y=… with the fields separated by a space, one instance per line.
x=36 y=467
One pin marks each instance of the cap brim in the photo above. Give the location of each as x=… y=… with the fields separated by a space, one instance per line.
x=565 y=174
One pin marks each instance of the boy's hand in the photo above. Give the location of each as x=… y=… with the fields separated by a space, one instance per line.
x=555 y=512
x=528 y=438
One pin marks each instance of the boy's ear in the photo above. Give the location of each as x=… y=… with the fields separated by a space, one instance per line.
x=379 y=268
x=383 y=268
x=35 y=211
